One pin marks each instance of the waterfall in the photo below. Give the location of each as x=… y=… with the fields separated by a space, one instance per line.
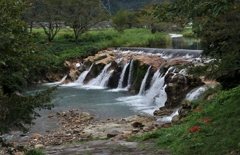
x=155 y=76
x=130 y=74
x=120 y=82
x=168 y=118
x=82 y=77
x=143 y=84
x=104 y=81
x=195 y=93
x=102 y=78
x=156 y=93
x=61 y=81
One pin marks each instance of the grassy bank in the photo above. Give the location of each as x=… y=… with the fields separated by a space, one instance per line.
x=64 y=48
x=212 y=128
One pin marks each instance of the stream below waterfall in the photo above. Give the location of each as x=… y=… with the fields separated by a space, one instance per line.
x=105 y=103
x=101 y=102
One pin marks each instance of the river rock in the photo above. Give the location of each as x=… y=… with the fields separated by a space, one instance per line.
x=39 y=146
x=101 y=131
x=178 y=85
x=37 y=136
x=163 y=112
x=137 y=124
x=175 y=119
x=19 y=153
x=113 y=133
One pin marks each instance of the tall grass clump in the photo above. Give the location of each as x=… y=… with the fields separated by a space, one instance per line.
x=34 y=152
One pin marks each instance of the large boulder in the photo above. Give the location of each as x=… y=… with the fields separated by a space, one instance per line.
x=178 y=85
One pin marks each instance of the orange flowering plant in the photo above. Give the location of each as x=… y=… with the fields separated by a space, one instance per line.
x=197 y=109
x=194 y=129
x=206 y=120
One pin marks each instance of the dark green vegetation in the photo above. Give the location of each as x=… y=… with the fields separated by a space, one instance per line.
x=34 y=152
x=20 y=63
x=212 y=128
x=216 y=23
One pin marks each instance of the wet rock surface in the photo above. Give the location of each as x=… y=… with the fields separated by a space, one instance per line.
x=107 y=147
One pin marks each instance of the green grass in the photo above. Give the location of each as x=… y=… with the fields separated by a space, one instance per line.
x=64 y=48
x=34 y=152
x=188 y=33
x=218 y=120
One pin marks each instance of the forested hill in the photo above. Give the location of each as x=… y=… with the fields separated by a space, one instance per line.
x=117 y=5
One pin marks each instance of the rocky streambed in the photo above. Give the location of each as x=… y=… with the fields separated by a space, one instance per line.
x=76 y=128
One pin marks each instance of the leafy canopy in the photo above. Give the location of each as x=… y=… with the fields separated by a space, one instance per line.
x=216 y=22
x=20 y=62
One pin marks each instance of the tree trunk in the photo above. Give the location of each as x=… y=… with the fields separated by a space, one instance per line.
x=76 y=39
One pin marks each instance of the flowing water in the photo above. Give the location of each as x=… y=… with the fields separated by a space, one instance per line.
x=106 y=103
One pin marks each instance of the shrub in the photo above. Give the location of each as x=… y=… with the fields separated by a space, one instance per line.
x=34 y=152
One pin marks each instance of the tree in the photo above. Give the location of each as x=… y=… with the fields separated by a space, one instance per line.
x=81 y=15
x=20 y=60
x=216 y=23
x=51 y=17
x=31 y=14
x=122 y=20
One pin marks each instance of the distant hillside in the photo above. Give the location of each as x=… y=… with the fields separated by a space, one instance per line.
x=116 y=5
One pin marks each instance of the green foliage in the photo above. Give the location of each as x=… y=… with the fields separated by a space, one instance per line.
x=20 y=58
x=122 y=20
x=34 y=152
x=81 y=15
x=19 y=111
x=21 y=63
x=215 y=22
x=159 y=40
x=188 y=33
x=211 y=128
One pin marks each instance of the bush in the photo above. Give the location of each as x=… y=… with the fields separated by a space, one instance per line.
x=34 y=152
x=159 y=40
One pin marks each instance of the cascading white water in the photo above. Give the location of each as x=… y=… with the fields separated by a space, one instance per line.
x=130 y=74
x=104 y=81
x=101 y=79
x=195 y=93
x=61 y=81
x=156 y=94
x=155 y=76
x=143 y=84
x=82 y=77
x=120 y=82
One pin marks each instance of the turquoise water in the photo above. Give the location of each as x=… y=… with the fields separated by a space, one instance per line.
x=101 y=102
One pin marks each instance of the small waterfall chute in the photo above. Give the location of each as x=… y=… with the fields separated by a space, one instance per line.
x=101 y=79
x=120 y=82
x=195 y=93
x=63 y=79
x=130 y=74
x=104 y=81
x=82 y=77
x=168 y=118
x=156 y=93
x=143 y=84
x=156 y=75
